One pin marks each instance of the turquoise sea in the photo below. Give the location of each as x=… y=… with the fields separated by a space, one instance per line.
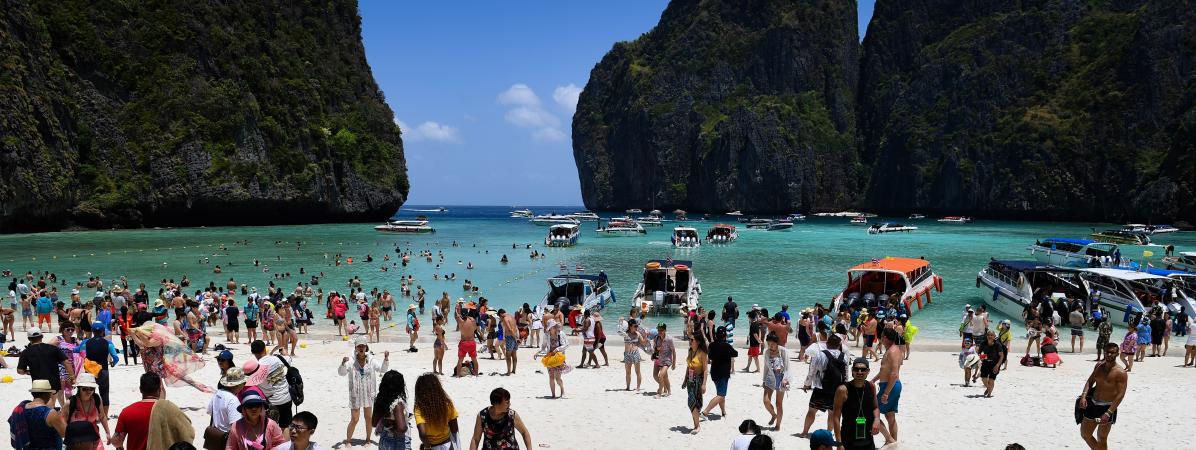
x=804 y=265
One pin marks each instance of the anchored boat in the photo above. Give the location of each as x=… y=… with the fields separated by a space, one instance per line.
x=563 y=235
x=668 y=286
x=1015 y=283
x=1074 y=252
x=550 y=219
x=859 y=220
x=1185 y=261
x=588 y=291
x=722 y=234
x=405 y=226
x=889 y=227
x=1122 y=237
x=1127 y=292
x=621 y=227
x=882 y=281
x=686 y=237
x=956 y=219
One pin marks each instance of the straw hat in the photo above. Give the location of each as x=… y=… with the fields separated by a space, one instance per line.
x=233 y=377
x=86 y=380
x=158 y=302
x=577 y=307
x=41 y=386
x=411 y=307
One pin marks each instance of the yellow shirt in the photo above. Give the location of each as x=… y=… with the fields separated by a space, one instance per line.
x=437 y=432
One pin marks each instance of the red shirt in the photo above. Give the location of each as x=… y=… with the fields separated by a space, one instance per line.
x=134 y=420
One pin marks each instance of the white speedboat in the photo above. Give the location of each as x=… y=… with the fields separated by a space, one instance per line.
x=650 y=221
x=521 y=214
x=882 y=281
x=956 y=219
x=686 y=237
x=1014 y=283
x=779 y=225
x=1157 y=229
x=1185 y=261
x=1148 y=229
x=1183 y=291
x=722 y=234
x=590 y=292
x=796 y=217
x=562 y=235
x=1122 y=237
x=551 y=219
x=756 y=224
x=1123 y=291
x=621 y=227
x=668 y=286
x=916 y=216
x=1074 y=252
x=735 y=213
x=889 y=227
x=405 y=226
x=635 y=211
x=585 y=216
x=859 y=220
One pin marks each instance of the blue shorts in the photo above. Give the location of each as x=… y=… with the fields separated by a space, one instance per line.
x=720 y=387
x=894 y=397
x=511 y=344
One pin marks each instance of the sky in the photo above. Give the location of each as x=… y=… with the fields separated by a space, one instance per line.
x=485 y=91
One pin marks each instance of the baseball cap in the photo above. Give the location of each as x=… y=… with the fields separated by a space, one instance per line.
x=35 y=332
x=225 y=356
x=822 y=437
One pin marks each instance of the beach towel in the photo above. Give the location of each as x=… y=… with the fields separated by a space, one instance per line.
x=168 y=425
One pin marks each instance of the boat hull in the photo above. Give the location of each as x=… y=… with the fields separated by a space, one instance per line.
x=1001 y=296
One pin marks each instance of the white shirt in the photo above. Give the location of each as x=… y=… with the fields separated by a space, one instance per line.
x=741 y=442
x=310 y=446
x=276 y=388
x=223 y=409
x=818 y=362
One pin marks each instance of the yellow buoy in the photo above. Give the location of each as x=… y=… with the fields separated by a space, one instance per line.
x=1147 y=253
x=6 y=379
x=302 y=345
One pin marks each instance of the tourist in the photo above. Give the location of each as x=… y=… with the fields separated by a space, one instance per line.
x=730 y=312
x=390 y=413
x=165 y=355
x=888 y=383
x=34 y=424
x=232 y=325
x=274 y=382
x=992 y=355
x=761 y=442
x=553 y=352
x=633 y=339
x=1129 y=347
x=664 y=358
x=868 y=331
x=255 y=431
x=1158 y=329
x=966 y=331
x=1050 y=353
x=855 y=417
x=695 y=376
x=438 y=345
x=468 y=346
x=510 y=341
x=780 y=327
x=748 y=430
x=824 y=440
x=1144 y=338
x=435 y=415
x=251 y=317
x=363 y=386
x=102 y=352
x=722 y=360
x=776 y=379
x=1102 y=394
x=828 y=370
x=968 y=361
x=1005 y=336
x=1190 y=345
x=1103 y=331
x=1076 y=319
x=82 y=435
x=40 y=361
x=303 y=425
x=1033 y=330
x=497 y=424
x=412 y=328
x=224 y=408
x=134 y=423
x=86 y=406
x=599 y=339
x=1167 y=326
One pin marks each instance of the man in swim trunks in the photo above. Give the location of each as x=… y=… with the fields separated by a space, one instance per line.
x=510 y=340
x=1107 y=385
x=868 y=330
x=468 y=344
x=888 y=383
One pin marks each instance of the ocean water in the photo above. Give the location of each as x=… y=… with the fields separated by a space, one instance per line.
x=799 y=267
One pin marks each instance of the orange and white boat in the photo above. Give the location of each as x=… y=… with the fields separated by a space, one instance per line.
x=878 y=282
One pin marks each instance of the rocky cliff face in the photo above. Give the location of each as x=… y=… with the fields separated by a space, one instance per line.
x=1062 y=109
x=725 y=105
x=189 y=113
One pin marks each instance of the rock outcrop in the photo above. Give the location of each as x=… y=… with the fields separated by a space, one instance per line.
x=197 y=112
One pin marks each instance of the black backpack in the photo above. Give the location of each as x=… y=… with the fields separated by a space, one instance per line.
x=294 y=382
x=834 y=374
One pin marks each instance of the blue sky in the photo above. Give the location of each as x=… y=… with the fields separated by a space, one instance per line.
x=485 y=91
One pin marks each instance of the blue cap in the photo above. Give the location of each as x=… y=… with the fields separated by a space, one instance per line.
x=225 y=356
x=822 y=437
x=97 y=326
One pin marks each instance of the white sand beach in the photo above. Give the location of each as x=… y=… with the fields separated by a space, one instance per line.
x=1031 y=405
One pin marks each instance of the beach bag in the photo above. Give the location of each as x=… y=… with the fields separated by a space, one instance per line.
x=214 y=439
x=294 y=382
x=835 y=372
x=1031 y=361
x=553 y=360
x=18 y=426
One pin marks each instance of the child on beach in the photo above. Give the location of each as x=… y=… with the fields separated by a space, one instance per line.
x=1129 y=346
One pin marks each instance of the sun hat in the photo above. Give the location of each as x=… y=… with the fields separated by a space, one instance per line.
x=80 y=431
x=158 y=302
x=252 y=399
x=822 y=437
x=460 y=299
x=233 y=377
x=41 y=386
x=86 y=380
x=35 y=333
x=411 y=307
x=255 y=372
x=360 y=340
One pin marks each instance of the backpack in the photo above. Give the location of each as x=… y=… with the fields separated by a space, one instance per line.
x=294 y=382
x=835 y=373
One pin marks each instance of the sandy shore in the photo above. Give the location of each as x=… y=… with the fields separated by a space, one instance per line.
x=1032 y=406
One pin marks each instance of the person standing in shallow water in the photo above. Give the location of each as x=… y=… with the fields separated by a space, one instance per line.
x=1102 y=395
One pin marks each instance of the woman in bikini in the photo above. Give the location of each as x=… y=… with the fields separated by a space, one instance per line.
x=438 y=346
x=664 y=356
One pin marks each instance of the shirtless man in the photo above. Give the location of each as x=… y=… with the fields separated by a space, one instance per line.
x=888 y=383
x=510 y=340
x=869 y=332
x=468 y=344
x=1109 y=381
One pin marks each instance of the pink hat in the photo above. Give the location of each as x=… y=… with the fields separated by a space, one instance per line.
x=255 y=374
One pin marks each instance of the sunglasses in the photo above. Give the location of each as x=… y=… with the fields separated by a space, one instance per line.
x=298 y=427
x=859 y=369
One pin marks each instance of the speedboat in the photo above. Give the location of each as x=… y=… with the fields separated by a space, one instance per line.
x=686 y=237
x=1122 y=237
x=721 y=234
x=1074 y=252
x=1157 y=229
x=889 y=227
x=1148 y=229
x=668 y=286
x=956 y=219
x=584 y=216
x=621 y=227
x=735 y=213
x=551 y=219
x=562 y=235
x=680 y=215
x=859 y=220
x=590 y=292
x=655 y=213
x=796 y=217
x=1127 y=292
x=881 y=281
x=1014 y=284
x=1183 y=291
x=521 y=214
x=650 y=221
x=757 y=224
x=405 y=226
x=635 y=211
x=916 y=216
x=779 y=225
x=1185 y=261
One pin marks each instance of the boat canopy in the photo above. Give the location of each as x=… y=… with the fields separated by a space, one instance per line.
x=1069 y=241
x=1122 y=274
x=907 y=266
x=1168 y=273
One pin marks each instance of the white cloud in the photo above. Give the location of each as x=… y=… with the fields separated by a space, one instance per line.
x=566 y=97
x=531 y=117
x=519 y=95
x=549 y=134
x=430 y=131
